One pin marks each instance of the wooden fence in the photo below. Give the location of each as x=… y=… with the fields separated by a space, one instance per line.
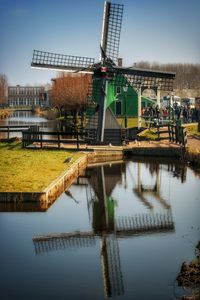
x=175 y=133
x=178 y=134
x=34 y=135
x=29 y=135
x=12 y=128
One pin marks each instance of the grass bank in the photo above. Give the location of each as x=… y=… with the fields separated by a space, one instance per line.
x=23 y=170
x=149 y=134
x=192 y=129
x=193 y=151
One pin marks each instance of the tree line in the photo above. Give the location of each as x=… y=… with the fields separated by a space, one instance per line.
x=70 y=91
x=187 y=75
x=3 y=89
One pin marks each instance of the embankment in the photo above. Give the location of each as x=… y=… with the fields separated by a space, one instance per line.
x=100 y=155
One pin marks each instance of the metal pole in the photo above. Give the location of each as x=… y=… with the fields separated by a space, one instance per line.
x=102 y=111
x=125 y=107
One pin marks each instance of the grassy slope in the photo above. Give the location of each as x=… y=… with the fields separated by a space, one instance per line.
x=24 y=170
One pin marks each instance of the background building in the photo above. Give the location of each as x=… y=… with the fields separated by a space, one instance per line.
x=27 y=96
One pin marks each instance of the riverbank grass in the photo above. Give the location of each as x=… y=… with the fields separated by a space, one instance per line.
x=23 y=170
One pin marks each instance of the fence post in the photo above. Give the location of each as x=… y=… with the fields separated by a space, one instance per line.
x=184 y=136
x=177 y=136
x=23 y=143
x=178 y=131
x=169 y=131
x=174 y=133
x=26 y=138
x=172 y=128
x=8 y=136
x=41 y=139
x=77 y=139
x=158 y=132
x=58 y=140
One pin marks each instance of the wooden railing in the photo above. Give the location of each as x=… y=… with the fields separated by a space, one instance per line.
x=178 y=134
x=34 y=135
x=166 y=130
x=12 y=128
x=29 y=135
x=175 y=133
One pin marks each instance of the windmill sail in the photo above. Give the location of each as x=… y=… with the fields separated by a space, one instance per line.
x=61 y=62
x=111 y=29
x=136 y=78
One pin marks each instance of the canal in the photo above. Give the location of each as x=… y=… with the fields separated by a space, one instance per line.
x=21 y=118
x=122 y=230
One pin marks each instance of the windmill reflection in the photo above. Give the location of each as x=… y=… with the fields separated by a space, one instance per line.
x=107 y=226
x=141 y=190
x=103 y=180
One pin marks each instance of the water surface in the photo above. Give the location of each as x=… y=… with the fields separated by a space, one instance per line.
x=21 y=118
x=121 y=231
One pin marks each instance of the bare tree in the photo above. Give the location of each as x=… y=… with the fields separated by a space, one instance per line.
x=3 y=88
x=187 y=75
x=70 y=91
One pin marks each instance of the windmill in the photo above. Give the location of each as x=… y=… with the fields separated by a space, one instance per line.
x=106 y=71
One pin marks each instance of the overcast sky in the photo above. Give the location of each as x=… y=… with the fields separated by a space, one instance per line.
x=152 y=30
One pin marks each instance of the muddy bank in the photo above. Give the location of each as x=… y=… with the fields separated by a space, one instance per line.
x=189 y=277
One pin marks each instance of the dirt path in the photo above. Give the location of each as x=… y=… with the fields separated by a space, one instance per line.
x=194 y=143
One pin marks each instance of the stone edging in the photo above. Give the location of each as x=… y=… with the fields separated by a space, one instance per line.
x=63 y=181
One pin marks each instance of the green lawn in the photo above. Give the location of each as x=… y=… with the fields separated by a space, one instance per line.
x=23 y=170
x=149 y=134
x=132 y=122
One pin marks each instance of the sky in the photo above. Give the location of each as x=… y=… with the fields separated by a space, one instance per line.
x=164 y=31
